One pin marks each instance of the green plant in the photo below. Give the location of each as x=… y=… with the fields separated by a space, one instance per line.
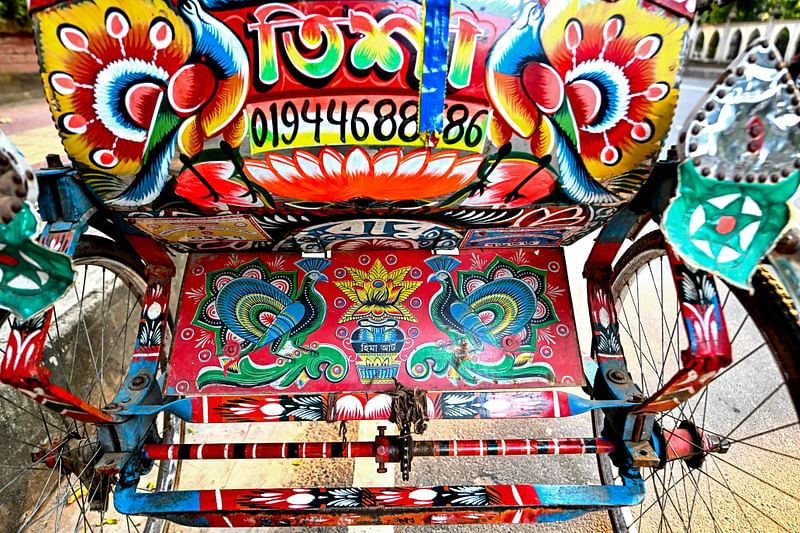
x=15 y=11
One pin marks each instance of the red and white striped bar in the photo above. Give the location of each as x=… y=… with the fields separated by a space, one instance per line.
x=324 y=450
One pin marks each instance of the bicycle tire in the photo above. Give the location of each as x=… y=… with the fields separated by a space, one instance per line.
x=59 y=497
x=773 y=316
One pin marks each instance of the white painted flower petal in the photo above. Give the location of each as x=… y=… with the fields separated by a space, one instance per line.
x=284 y=167
x=467 y=167
x=430 y=409
x=385 y=162
x=308 y=164
x=440 y=164
x=721 y=202
x=331 y=162
x=23 y=282
x=412 y=164
x=259 y=172
x=750 y=207
x=303 y=498
x=424 y=495
x=349 y=407
x=272 y=409
x=378 y=406
x=497 y=405
x=747 y=234
x=697 y=220
x=727 y=254
x=357 y=163
x=704 y=246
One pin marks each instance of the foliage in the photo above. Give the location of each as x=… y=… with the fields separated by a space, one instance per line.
x=15 y=12
x=750 y=10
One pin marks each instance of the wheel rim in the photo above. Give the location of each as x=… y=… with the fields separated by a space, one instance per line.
x=754 y=485
x=90 y=339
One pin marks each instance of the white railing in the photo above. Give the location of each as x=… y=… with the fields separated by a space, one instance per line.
x=720 y=43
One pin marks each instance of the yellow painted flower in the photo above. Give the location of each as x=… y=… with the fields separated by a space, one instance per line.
x=378 y=294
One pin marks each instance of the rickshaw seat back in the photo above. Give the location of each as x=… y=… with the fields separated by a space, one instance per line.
x=215 y=123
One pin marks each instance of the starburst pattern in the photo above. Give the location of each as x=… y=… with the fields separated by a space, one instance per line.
x=477 y=262
x=554 y=291
x=195 y=294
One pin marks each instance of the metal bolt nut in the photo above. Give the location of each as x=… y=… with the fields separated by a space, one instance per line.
x=617 y=376
x=139 y=382
x=789 y=243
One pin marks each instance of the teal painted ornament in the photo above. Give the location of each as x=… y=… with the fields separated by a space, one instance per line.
x=32 y=277
x=727 y=227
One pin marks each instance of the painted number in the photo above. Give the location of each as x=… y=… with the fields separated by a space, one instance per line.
x=461 y=128
x=366 y=121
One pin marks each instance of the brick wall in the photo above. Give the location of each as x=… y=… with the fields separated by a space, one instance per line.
x=18 y=54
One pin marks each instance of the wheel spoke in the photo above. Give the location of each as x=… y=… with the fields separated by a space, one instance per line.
x=680 y=497
x=745 y=500
x=755 y=409
x=88 y=354
x=739 y=505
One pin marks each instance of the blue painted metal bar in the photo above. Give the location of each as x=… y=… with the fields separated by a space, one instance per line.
x=433 y=84
x=494 y=503
x=276 y=408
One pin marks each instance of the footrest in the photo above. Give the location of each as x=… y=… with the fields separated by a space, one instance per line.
x=322 y=506
x=359 y=321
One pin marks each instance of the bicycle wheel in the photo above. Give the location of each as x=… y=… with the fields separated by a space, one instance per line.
x=89 y=342
x=753 y=484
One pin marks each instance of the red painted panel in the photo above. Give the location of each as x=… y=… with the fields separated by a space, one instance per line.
x=265 y=322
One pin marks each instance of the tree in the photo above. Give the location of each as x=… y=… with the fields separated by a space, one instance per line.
x=16 y=12
x=750 y=10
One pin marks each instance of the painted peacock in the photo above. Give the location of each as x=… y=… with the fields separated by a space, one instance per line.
x=491 y=314
x=589 y=84
x=127 y=86
x=262 y=314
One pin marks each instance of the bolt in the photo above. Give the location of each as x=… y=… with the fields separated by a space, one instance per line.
x=54 y=161
x=789 y=243
x=111 y=407
x=617 y=376
x=139 y=382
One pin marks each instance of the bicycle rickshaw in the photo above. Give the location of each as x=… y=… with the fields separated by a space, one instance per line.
x=370 y=202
